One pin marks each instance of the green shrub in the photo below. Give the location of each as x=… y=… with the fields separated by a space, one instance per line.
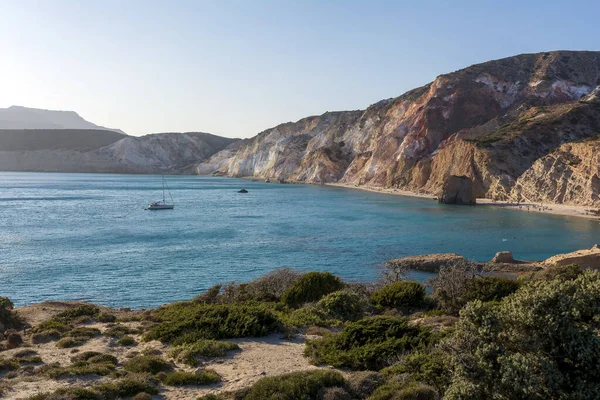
x=118 y=331
x=399 y=294
x=490 y=288
x=342 y=305
x=308 y=315
x=189 y=353
x=563 y=272
x=189 y=322
x=363 y=383
x=83 y=333
x=126 y=387
x=69 y=342
x=8 y=318
x=142 y=396
x=80 y=368
x=28 y=360
x=52 y=325
x=148 y=364
x=432 y=368
x=402 y=391
x=304 y=385
x=542 y=341
x=106 y=317
x=95 y=357
x=126 y=341
x=181 y=378
x=8 y=365
x=311 y=287
x=370 y=343
x=69 y=316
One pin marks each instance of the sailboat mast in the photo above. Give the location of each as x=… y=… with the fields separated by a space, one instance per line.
x=163 y=182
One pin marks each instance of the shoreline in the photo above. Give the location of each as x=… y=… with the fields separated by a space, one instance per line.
x=541 y=208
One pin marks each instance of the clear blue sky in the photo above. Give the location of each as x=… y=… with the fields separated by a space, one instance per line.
x=237 y=67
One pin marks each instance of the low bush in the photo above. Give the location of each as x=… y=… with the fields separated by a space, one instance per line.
x=189 y=353
x=189 y=322
x=8 y=365
x=148 y=364
x=47 y=336
x=8 y=318
x=311 y=287
x=490 y=288
x=303 y=385
x=342 y=305
x=402 y=391
x=563 y=272
x=80 y=368
x=73 y=314
x=142 y=396
x=118 y=331
x=433 y=368
x=370 y=343
x=126 y=341
x=106 y=317
x=69 y=342
x=363 y=383
x=182 y=378
x=94 y=357
x=334 y=393
x=309 y=315
x=399 y=294
x=82 y=333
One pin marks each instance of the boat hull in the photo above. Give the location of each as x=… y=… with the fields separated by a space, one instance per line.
x=154 y=207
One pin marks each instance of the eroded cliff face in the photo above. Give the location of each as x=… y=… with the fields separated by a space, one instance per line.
x=490 y=122
x=570 y=174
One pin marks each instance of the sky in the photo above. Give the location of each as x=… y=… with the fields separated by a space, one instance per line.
x=235 y=68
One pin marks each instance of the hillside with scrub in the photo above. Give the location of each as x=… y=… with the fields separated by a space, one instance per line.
x=289 y=335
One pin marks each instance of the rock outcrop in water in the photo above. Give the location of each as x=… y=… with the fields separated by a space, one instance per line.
x=457 y=190
x=497 y=123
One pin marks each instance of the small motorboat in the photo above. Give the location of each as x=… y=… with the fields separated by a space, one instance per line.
x=242 y=191
x=267 y=180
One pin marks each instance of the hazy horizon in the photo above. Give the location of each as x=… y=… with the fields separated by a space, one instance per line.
x=237 y=68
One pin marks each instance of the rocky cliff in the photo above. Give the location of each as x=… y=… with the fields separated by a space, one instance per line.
x=496 y=123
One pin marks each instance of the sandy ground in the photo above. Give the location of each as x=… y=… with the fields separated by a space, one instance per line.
x=544 y=208
x=257 y=358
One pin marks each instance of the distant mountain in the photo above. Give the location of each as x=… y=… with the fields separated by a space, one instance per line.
x=56 y=139
x=76 y=150
x=17 y=117
x=514 y=126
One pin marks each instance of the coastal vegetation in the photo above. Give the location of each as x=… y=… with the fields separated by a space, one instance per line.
x=471 y=335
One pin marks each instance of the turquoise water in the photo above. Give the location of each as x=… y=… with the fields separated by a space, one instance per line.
x=87 y=236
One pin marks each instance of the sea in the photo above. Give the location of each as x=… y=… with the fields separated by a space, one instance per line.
x=88 y=237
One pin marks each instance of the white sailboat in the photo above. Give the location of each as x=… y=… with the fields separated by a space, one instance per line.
x=162 y=204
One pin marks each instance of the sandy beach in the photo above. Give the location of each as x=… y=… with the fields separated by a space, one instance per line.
x=544 y=208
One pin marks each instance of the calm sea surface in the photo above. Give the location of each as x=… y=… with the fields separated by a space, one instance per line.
x=87 y=236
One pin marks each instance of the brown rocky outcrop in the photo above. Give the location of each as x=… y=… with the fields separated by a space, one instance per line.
x=588 y=258
x=427 y=262
x=503 y=257
x=457 y=190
